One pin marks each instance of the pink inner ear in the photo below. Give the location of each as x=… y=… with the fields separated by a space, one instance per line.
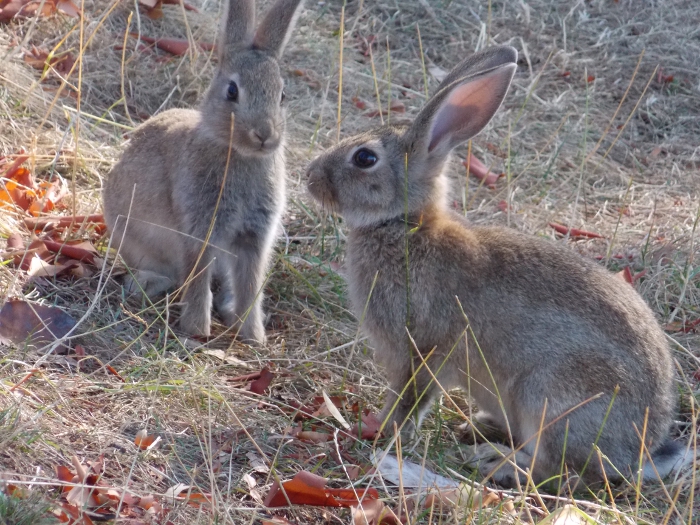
x=469 y=107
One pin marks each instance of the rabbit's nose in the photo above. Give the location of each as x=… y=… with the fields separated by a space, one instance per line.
x=263 y=133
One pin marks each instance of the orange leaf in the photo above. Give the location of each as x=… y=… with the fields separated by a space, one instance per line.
x=49 y=223
x=143 y=440
x=313 y=437
x=481 y=172
x=574 y=233
x=306 y=488
x=174 y=46
x=82 y=251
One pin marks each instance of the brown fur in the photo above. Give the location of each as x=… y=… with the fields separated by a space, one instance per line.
x=518 y=322
x=160 y=197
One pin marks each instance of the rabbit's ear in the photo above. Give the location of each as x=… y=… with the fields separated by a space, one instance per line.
x=237 y=29
x=460 y=110
x=276 y=28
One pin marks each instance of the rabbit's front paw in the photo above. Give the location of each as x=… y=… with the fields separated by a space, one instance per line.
x=489 y=460
x=147 y=283
x=251 y=331
x=481 y=428
x=196 y=321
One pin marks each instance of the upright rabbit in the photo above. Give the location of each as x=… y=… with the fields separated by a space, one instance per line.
x=222 y=164
x=528 y=328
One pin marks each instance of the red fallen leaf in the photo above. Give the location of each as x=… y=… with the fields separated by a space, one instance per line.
x=503 y=206
x=16 y=492
x=359 y=104
x=374 y=512
x=21 y=321
x=681 y=326
x=306 y=488
x=627 y=275
x=174 y=46
x=481 y=172
x=112 y=371
x=72 y=515
x=369 y=428
x=12 y=168
x=82 y=251
x=574 y=233
x=245 y=378
x=395 y=107
x=590 y=79
x=37 y=248
x=311 y=436
x=49 y=223
x=261 y=383
x=24 y=379
x=143 y=440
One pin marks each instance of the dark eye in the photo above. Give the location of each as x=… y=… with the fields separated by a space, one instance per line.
x=284 y=95
x=364 y=158
x=232 y=92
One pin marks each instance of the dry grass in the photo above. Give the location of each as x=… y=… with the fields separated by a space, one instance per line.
x=597 y=155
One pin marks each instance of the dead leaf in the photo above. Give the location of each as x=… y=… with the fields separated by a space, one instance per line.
x=174 y=46
x=306 y=488
x=82 y=251
x=143 y=440
x=21 y=322
x=368 y=428
x=49 y=223
x=330 y=406
x=481 y=172
x=574 y=233
x=40 y=268
x=261 y=383
x=409 y=474
x=374 y=512
x=395 y=107
x=568 y=515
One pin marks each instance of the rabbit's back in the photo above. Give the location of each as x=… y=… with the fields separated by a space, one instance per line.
x=551 y=325
x=141 y=184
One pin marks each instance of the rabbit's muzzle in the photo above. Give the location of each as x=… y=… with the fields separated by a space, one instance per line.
x=263 y=138
x=321 y=188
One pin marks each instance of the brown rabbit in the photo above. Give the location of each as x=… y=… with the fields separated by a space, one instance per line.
x=160 y=197
x=527 y=327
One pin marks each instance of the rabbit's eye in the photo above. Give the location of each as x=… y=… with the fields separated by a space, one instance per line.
x=232 y=92
x=364 y=158
x=284 y=95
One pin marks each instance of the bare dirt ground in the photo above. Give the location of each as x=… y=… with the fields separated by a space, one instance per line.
x=600 y=131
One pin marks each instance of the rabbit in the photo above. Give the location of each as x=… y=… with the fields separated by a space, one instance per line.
x=160 y=198
x=532 y=331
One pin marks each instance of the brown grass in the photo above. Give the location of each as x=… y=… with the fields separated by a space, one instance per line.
x=595 y=155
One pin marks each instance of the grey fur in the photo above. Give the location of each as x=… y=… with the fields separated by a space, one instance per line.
x=164 y=189
x=550 y=327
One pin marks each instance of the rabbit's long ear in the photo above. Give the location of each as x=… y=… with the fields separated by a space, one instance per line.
x=237 y=29
x=276 y=28
x=464 y=106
